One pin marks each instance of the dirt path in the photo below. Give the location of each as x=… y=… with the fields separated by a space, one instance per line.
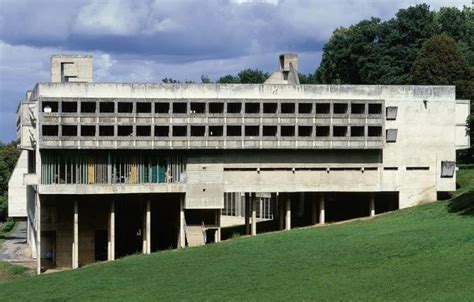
x=15 y=248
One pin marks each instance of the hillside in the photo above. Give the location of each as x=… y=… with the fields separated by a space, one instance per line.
x=423 y=253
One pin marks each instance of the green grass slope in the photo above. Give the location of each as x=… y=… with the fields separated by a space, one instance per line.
x=423 y=253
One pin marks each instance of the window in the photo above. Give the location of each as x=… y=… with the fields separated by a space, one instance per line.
x=107 y=107
x=391 y=135
x=69 y=107
x=448 y=168
x=49 y=107
x=357 y=131
x=375 y=108
x=216 y=130
x=270 y=107
x=234 y=131
x=340 y=108
x=180 y=131
x=143 y=130
x=322 y=108
x=322 y=130
x=391 y=113
x=339 y=131
x=305 y=131
x=162 y=131
x=125 y=130
x=143 y=107
x=50 y=130
x=287 y=131
x=305 y=108
x=252 y=131
x=106 y=130
x=180 y=108
x=216 y=108
x=417 y=168
x=357 y=108
x=162 y=107
x=69 y=130
x=198 y=107
x=125 y=107
x=375 y=131
x=88 y=107
x=198 y=130
x=270 y=130
x=87 y=130
x=252 y=107
x=287 y=108
x=234 y=107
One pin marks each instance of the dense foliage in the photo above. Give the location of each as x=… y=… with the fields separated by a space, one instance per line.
x=246 y=76
x=8 y=157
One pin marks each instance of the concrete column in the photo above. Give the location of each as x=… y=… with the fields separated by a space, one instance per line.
x=314 y=212
x=281 y=210
x=372 y=204
x=253 y=200
x=322 y=212
x=182 y=231
x=38 y=234
x=247 y=213
x=218 y=222
x=75 y=250
x=111 y=246
x=288 y=213
x=148 y=227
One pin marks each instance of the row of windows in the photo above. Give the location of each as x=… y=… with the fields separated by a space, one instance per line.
x=213 y=131
x=213 y=107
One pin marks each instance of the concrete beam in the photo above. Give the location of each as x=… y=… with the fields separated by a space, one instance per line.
x=322 y=211
x=75 y=246
x=372 y=204
x=288 y=213
x=254 y=214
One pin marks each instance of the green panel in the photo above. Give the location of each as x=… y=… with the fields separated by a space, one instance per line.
x=154 y=174
x=162 y=172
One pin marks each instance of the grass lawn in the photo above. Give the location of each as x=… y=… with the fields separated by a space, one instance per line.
x=423 y=253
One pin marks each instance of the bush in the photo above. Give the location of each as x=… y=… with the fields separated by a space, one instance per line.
x=3 y=208
x=8 y=225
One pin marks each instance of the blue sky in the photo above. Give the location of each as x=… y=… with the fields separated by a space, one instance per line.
x=145 y=41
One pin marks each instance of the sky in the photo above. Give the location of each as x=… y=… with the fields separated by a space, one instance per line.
x=148 y=40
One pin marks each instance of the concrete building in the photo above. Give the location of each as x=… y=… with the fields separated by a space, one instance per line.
x=110 y=169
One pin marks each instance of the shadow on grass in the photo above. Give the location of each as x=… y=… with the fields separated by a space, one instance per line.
x=463 y=204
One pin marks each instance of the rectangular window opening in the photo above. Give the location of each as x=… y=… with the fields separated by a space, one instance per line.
x=216 y=108
x=391 y=168
x=322 y=130
x=107 y=107
x=88 y=107
x=305 y=131
x=234 y=131
x=375 y=108
x=391 y=135
x=198 y=130
x=270 y=108
x=252 y=108
x=322 y=108
x=180 y=108
x=357 y=108
x=305 y=108
x=180 y=130
x=198 y=107
x=448 y=168
x=87 y=130
x=143 y=107
x=216 y=130
x=106 y=130
x=287 y=131
x=340 y=108
x=162 y=131
x=287 y=108
x=391 y=113
x=234 y=107
x=375 y=131
x=49 y=107
x=252 y=131
x=161 y=107
x=125 y=107
x=69 y=130
x=143 y=130
x=417 y=168
x=69 y=107
x=125 y=130
x=339 y=131
x=50 y=130
x=357 y=131
x=270 y=130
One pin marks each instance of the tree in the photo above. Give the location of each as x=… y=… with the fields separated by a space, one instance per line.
x=169 y=81
x=205 y=79
x=8 y=158
x=228 y=79
x=252 y=76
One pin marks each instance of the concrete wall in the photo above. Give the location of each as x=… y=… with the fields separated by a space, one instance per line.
x=17 y=190
x=71 y=68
